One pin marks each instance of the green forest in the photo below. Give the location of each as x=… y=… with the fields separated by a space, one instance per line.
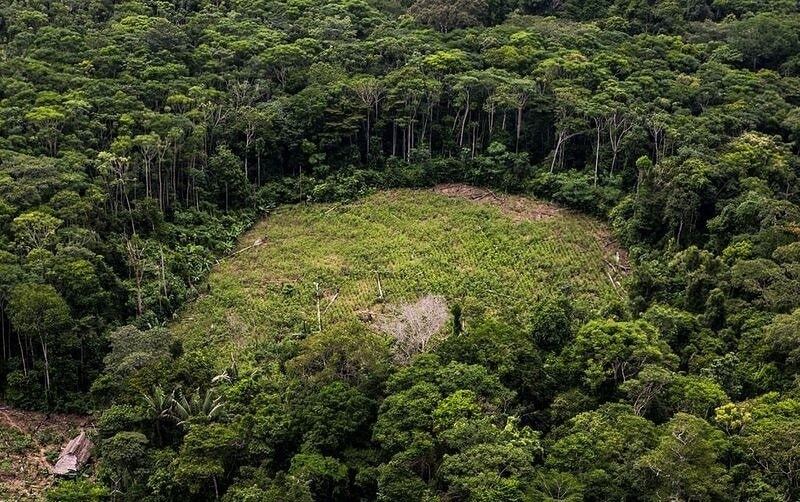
x=141 y=140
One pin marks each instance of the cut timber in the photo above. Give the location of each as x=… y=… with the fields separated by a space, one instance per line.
x=516 y=207
x=74 y=456
x=255 y=244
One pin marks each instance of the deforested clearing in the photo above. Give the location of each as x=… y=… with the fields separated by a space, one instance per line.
x=320 y=264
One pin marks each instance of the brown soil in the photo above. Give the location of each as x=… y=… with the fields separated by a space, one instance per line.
x=24 y=467
x=615 y=254
x=516 y=207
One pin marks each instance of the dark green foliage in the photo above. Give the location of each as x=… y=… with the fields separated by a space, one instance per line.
x=506 y=351
x=686 y=463
x=552 y=324
x=602 y=447
x=140 y=138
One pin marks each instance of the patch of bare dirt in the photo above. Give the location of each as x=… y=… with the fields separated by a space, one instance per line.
x=28 y=440
x=616 y=255
x=615 y=258
x=516 y=207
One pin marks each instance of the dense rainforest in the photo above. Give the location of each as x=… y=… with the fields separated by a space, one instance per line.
x=140 y=138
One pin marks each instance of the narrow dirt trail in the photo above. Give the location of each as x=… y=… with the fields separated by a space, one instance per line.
x=10 y=421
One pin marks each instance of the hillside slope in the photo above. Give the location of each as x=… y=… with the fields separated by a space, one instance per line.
x=491 y=254
x=29 y=446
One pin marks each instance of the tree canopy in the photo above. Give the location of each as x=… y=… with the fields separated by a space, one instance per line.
x=140 y=138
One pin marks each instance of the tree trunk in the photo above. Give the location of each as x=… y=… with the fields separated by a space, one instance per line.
x=555 y=151
x=46 y=369
x=147 y=178
x=463 y=123
x=3 y=334
x=613 y=159
x=22 y=354
x=258 y=167
x=597 y=152
x=160 y=186
x=175 y=173
x=367 y=135
x=394 y=138
x=474 y=134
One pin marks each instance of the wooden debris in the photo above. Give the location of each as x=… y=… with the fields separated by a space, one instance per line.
x=255 y=244
x=74 y=456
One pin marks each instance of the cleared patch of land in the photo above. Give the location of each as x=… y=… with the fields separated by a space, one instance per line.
x=514 y=206
x=308 y=266
x=29 y=445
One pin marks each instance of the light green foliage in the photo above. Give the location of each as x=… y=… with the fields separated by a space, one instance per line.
x=696 y=395
x=551 y=325
x=764 y=38
x=133 y=349
x=772 y=443
x=125 y=455
x=34 y=228
x=496 y=468
x=415 y=242
x=283 y=489
x=80 y=490
x=325 y=476
x=348 y=352
x=447 y=15
x=42 y=316
x=778 y=343
x=507 y=351
x=767 y=428
x=410 y=412
x=554 y=486
x=334 y=417
x=208 y=451
x=38 y=311
x=683 y=332
x=138 y=361
x=228 y=181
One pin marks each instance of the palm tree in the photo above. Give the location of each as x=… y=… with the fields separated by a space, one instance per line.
x=159 y=407
x=206 y=408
